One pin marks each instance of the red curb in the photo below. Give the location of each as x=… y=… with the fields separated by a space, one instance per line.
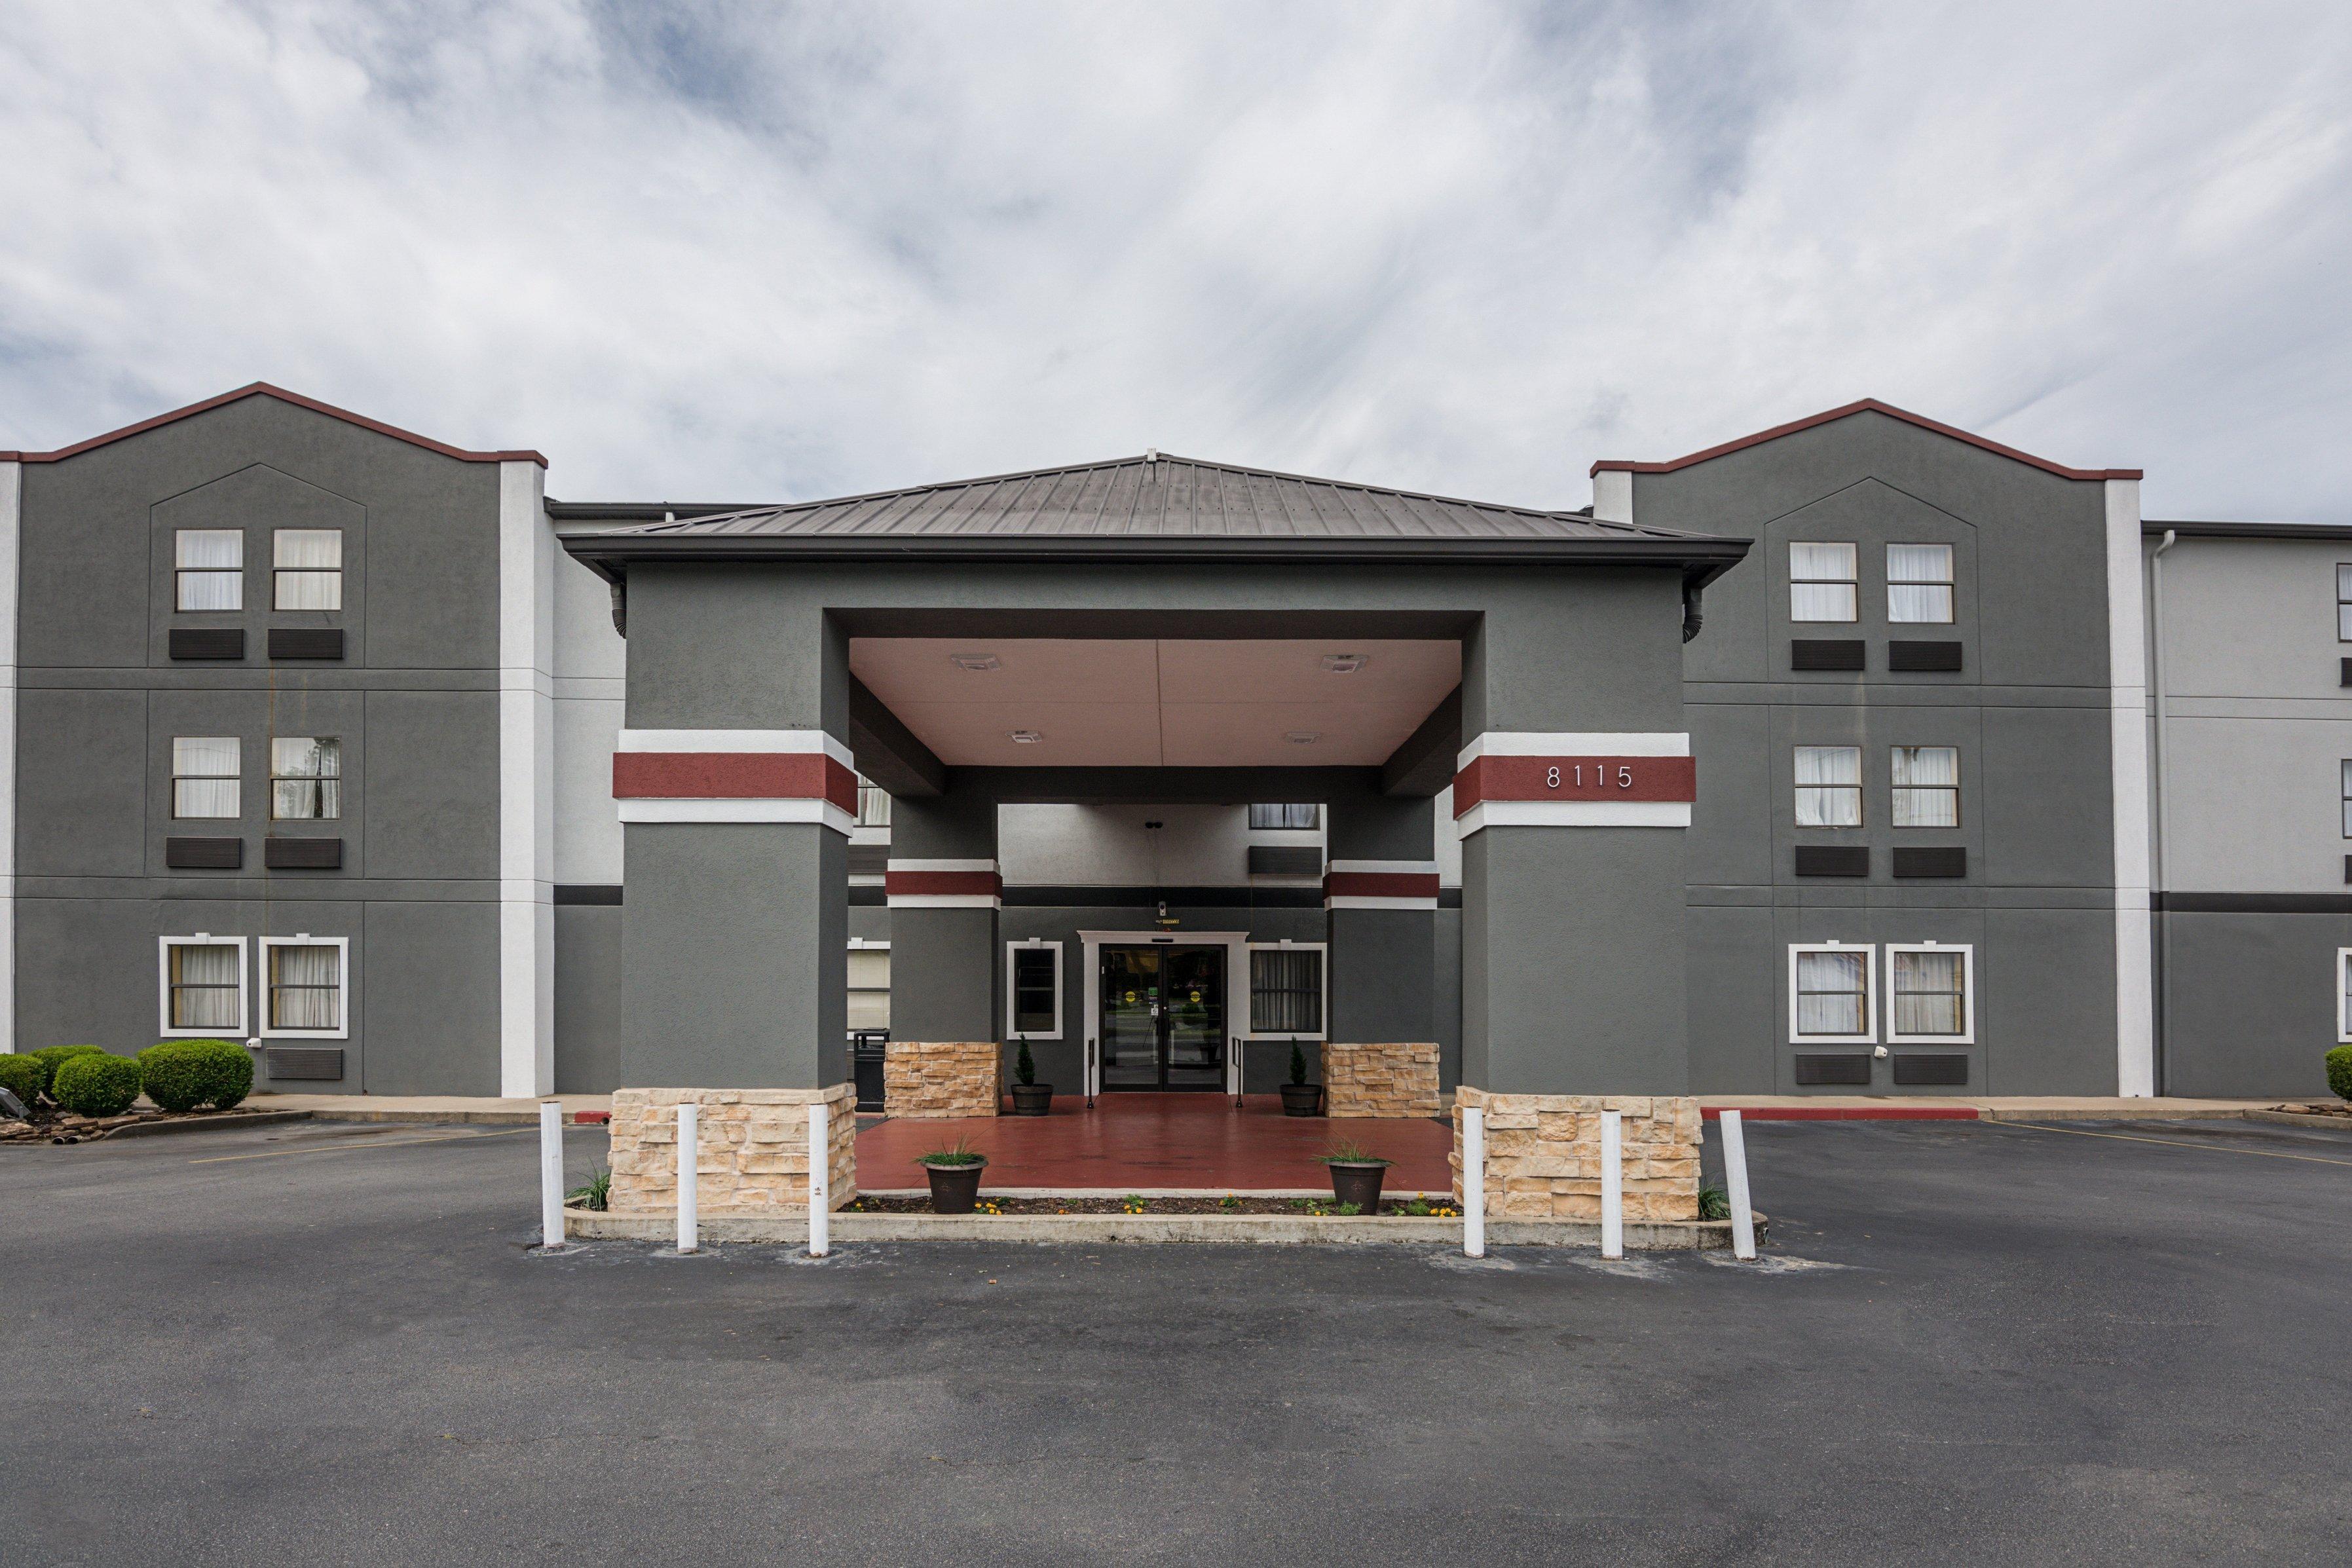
x=1844 y=1112
x=590 y=1118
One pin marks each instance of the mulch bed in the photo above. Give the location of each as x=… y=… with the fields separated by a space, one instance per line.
x=65 y=1127
x=2334 y=1108
x=1113 y=1204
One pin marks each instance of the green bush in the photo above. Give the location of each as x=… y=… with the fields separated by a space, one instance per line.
x=180 y=1075
x=2339 y=1071
x=23 y=1077
x=96 y=1084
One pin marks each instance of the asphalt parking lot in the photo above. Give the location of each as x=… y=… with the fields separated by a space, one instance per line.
x=1968 y=1342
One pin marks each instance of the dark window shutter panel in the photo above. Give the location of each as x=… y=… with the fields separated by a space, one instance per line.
x=1943 y=1069
x=306 y=642
x=1942 y=656
x=1851 y=1069
x=302 y=854
x=1826 y=653
x=320 y=1062
x=1832 y=860
x=207 y=642
x=204 y=854
x=1945 y=860
x=1285 y=861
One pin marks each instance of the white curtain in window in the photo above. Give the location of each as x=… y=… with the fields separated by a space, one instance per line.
x=204 y=986
x=204 y=775
x=306 y=777
x=211 y=562
x=1919 y=583
x=2343 y=603
x=306 y=988
x=1829 y=787
x=1830 y=997
x=2347 y=799
x=309 y=563
x=869 y=988
x=1926 y=786
x=1928 y=993
x=1821 y=581
x=1286 y=990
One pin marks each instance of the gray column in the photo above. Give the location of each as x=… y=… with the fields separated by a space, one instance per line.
x=1380 y=889
x=735 y=920
x=1573 y=894
x=943 y=884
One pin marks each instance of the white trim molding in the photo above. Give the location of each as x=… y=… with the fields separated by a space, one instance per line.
x=1967 y=1034
x=1575 y=814
x=343 y=1029
x=1013 y=1031
x=2127 y=716
x=935 y=884
x=1574 y=743
x=526 y=784
x=775 y=742
x=1381 y=885
x=822 y=813
x=1249 y=990
x=1869 y=951
x=12 y=519
x=163 y=946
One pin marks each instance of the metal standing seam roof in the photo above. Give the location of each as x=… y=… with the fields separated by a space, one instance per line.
x=1152 y=503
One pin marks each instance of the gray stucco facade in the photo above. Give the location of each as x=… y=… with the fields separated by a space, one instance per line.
x=511 y=914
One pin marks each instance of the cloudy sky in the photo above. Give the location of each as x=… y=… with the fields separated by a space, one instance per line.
x=763 y=251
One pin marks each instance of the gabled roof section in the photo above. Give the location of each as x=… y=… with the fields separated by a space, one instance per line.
x=263 y=389
x=1867 y=406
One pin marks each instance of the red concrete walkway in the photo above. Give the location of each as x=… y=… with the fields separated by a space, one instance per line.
x=1133 y=1141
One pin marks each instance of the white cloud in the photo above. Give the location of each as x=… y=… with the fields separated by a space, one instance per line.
x=748 y=253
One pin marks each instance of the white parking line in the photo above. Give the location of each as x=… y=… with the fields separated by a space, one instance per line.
x=359 y=1148
x=2174 y=1142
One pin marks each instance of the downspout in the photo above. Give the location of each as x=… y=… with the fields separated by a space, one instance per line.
x=2163 y=802
x=1692 y=619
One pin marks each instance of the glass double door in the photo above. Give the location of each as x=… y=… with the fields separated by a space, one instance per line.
x=1163 y=1018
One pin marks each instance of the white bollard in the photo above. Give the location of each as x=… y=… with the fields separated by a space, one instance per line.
x=1612 y=1184
x=820 y=1184
x=1734 y=1182
x=689 y=1157
x=551 y=1173
x=1474 y=1182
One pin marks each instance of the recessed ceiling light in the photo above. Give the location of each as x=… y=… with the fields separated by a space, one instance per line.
x=1345 y=663
x=972 y=660
x=1303 y=737
x=1026 y=737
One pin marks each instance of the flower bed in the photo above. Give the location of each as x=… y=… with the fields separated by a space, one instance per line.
x=1409 y=1208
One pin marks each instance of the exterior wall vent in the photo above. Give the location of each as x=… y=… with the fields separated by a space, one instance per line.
x=1927 y=656
x=1849 y=1069
x=306 y=642
x=324 y=1063
x=1938 y=1069
x=1833 y=859
x=226 y=642
x=1943 y=860
x=204 y=854
x=302 y=854
x=1842 y=654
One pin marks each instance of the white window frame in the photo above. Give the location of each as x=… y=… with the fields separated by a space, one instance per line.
x=180 y=571
x=1852 y=585
x=1869 y=1036
x=163 y=946
x=277 y=599
x=2342 y=1013
x=1248 y=990
x=1011 y=1004
x=1967 y=1034
x=1950 y=584
x=343 y=977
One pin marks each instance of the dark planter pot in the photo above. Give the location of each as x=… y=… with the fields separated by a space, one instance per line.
x=955 y=1189
x=1033 y=1099
x=1301 y=1098
x=1357 y=1182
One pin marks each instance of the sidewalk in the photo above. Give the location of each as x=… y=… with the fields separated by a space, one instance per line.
x=432 y=1107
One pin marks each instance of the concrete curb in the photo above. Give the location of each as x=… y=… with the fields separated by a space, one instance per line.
x=2296 y=1119
x=1640 y=1235
x=220 y=1123
x=463 y=1118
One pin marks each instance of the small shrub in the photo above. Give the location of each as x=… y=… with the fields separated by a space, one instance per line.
x=23 y=1077
x=1351 y=1153
x=2339 y=1071
x=182 y=1074
x=1298 y=1065
x=1714 y=1203
x=51 y=1055
x=958 y=1153
x=1025 y=1068
x=96 y=1084
x=597 y=1193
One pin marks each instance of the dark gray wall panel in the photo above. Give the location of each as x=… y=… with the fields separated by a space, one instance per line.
x=946 y=975
x=2046 y=1002
x=2047 y=804
x=588 y=1016
x=426 y=980
x=1734 y=980
x=1733 y=825
x=2251 y=1002
x=82 y=785
x=1445 y=996
x=432 y=782
x=257 y=500
x=85 y=970
x=1381 y=975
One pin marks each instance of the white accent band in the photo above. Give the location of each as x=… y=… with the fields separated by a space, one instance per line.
x=1360 y=901
x=1386 y=867
x=944 y=901
x=527 y=556
x=764 y=740
x=822 y=813
x=897 y=865
x=1574 y=743
x=2127 y=716
x=1575 y=814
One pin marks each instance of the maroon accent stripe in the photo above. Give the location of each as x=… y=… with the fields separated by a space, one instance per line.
x=1867 y=406
x=1578 y=778
x=980 y=884
x=1381 y=885
x=1843 y=1112
x=733 y=775
x=263 y=389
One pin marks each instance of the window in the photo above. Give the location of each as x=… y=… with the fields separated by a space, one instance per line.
x=204 y=776
x=1919 y=583
x=1301 y=815
x=1829 y=993
x=1822 y=581
x=308 y=569
x=873 y=803
x=203 y=984
x=208 y=569
x=305 y=979
x=869 y=984
x=1829 y=787
x=1927 y=994
x=2343 y=603
x=2347 y=780
x=1286 y=990
x=306 y=778
x=1926 y=786
x=1032 y=990
x=2344 y=996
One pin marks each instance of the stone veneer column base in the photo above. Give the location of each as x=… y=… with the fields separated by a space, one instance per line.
x=932 y=1078
x=1393 y=1079
x=753 y=1158
x=1543 y=1153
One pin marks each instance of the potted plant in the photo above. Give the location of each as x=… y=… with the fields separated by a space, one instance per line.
x=1300 y=1097
x=955 y=1172
x=1356 y=1176
x=1030 y=1098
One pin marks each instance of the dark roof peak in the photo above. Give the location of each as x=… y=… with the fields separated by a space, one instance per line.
x=263 y=389
x=1863 y=405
